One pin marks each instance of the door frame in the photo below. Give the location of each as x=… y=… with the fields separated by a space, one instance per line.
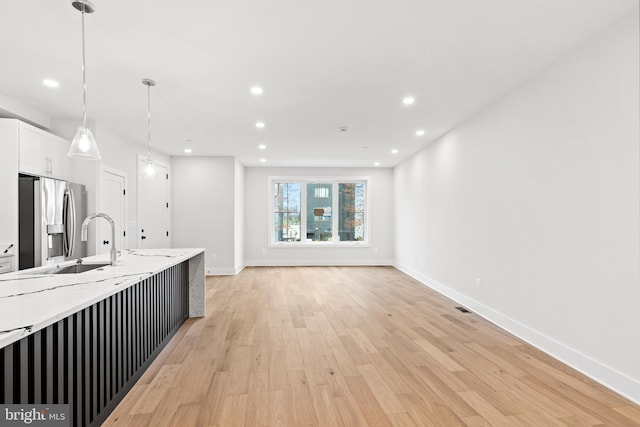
x=125 y=226
x=141 y=175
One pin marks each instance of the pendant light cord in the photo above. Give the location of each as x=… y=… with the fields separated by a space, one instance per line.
x=149 y=122
x=84 y=79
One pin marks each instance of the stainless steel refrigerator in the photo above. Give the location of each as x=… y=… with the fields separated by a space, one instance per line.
x=50 y=215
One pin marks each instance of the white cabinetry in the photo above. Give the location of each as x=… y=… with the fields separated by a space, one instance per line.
x=42 y=153
x=56 y=151
x=31 y=150
x=6 y=264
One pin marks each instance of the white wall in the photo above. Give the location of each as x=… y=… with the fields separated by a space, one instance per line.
x=9 y=187
x=11 y=108
x=538 y=196
x=257 y=250
x=117 y=153
x=203 y=194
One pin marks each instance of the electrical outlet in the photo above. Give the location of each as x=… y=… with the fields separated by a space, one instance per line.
x=478 y=282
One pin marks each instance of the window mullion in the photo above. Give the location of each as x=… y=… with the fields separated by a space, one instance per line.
x=335 y=213
x=303 y=212
x=272 y=204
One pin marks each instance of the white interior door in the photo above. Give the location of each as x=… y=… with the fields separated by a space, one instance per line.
x=112 y=202
x=153 y=206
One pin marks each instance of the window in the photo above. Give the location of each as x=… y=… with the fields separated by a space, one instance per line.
x=316 y=211
x=351 y=212
x=286 y=208
x=319 y=219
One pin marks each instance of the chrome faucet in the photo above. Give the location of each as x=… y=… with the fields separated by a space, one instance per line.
x=85 y=225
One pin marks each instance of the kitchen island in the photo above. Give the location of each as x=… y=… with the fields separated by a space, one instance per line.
x=84 y=339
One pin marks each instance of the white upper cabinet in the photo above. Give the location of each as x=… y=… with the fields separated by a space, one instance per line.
x=42 y=153
x=56 y=151
x=31 y=151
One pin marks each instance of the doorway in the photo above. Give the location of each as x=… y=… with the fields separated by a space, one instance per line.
x=153 y=206
x=113 y=202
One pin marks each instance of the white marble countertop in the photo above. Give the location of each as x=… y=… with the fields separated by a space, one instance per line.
x=31 y=300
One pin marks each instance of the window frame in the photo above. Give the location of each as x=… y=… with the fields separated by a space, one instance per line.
x=335 y=181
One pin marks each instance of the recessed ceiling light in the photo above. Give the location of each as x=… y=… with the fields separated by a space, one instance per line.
x=263 y=160
x=256 y=90
x=408 y=100
x=394 y=151
x=419 y=132
x=262 y=147
x=50 y=83
x=376 y=164
x=188 y=150
x=259 y=125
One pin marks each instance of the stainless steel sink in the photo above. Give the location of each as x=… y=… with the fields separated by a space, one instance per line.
x=76 y=268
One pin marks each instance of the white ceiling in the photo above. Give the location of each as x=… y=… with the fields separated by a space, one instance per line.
x=322 y=64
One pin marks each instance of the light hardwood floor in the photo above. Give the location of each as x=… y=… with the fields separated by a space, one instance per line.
x=355 y=346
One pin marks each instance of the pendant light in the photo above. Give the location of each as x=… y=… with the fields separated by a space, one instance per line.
x=149 y=169
x=84 y=145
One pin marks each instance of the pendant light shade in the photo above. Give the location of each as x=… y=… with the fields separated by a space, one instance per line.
x=84 y=144
x=150 y=171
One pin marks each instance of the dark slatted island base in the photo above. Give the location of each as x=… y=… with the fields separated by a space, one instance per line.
x=85 y=339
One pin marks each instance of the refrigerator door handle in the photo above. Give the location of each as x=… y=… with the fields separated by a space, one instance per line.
x=73 y=222
x=37 y=224
x=65 y=222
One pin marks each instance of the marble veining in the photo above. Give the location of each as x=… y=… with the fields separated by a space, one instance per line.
x=136 y=253
x=22 y=329
x=32 y=299
x=52 y=288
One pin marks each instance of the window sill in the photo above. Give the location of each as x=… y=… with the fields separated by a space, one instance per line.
x=285 y=245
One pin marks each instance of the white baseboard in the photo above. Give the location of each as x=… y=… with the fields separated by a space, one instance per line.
x=224 y=271
x=611 y=378
x=317 y=262
x=219 y=271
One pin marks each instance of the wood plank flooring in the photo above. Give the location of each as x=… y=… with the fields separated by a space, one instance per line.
x=355 y=346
